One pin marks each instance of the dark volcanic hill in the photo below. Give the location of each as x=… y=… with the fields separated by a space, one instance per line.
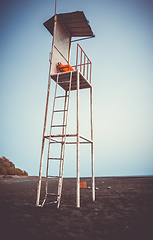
x=8 y=168
x=6 y=163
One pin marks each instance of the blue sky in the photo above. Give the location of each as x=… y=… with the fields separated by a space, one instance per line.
x=122 y=78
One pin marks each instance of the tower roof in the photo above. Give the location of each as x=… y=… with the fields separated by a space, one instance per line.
x=75 y=22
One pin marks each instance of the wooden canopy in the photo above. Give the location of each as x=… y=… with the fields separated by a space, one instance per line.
x=75 y=22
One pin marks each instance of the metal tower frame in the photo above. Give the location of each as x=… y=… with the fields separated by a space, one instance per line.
x=63 y=27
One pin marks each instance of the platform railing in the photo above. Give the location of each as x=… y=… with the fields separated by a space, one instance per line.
x=83 y=63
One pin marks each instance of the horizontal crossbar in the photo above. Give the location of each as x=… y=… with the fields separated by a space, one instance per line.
x=53 y=177
x=72 y=142
x=61 y=135
x=68 y=135
x=55 y=158
x=61 y=110
x=58 y=125
x=62 y=96
x=86 y=139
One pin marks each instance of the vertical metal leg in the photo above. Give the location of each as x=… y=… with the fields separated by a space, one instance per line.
x=92 y=147
x=43 y=141
x=78 y=160
x=40 y=173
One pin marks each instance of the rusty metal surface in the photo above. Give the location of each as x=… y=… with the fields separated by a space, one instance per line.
x=75 y=22
x=78 y=148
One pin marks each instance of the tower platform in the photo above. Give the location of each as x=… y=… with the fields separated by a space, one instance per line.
x=64 y=77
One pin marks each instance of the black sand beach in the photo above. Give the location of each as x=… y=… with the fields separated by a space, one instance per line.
x=123 y=210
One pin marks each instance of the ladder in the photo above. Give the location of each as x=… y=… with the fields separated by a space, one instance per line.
x=52 y=139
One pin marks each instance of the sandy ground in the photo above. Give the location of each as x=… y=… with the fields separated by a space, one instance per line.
x=123 y=210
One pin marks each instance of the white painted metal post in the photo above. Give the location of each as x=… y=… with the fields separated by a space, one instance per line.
x=43 y=140
x=46 y=113
x=92 y=146
x=78 y=160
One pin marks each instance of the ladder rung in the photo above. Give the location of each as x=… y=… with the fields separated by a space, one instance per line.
x=53 y=194
x=55 y=158
x=53 y=177
x=58 y=125
x=53 y=202
x=60 y=110
x=61 y=96
x=63 y=135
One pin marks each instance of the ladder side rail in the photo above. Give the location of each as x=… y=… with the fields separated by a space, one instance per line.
x=46 y=186
x=64 y=144
x=61 y=156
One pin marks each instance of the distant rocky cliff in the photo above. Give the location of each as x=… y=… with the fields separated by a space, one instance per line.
x=8 y=168
x=6 y=163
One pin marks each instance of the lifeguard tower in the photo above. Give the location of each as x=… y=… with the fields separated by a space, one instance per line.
x=64 y=28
